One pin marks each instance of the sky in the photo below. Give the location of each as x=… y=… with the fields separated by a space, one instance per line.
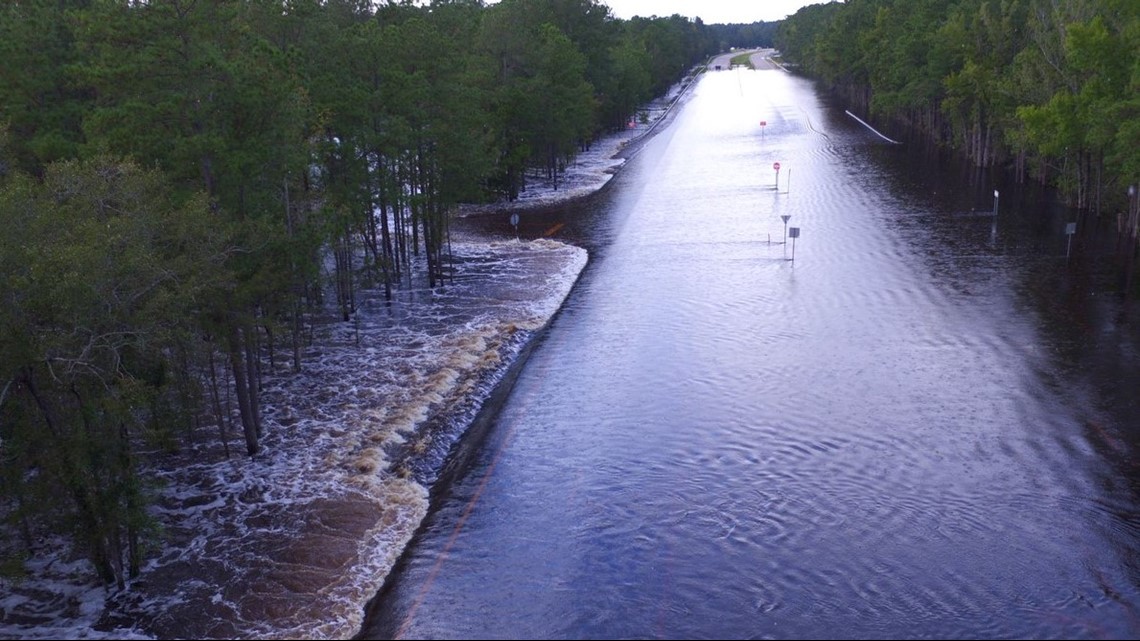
x=710 y=11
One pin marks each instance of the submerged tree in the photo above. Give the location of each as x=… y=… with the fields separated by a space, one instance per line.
x=194 y=88
x=1044 y=87
x=102 y=269
x=278 y=137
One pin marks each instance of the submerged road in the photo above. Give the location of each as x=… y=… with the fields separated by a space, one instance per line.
x=923 y=426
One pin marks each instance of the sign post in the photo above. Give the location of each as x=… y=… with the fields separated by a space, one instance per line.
x=785 y=218
x=794 y=232
x=515 y=224
x=1070 y=229
x=763 y=124
x=776 y=166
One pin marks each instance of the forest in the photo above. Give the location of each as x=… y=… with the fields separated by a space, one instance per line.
x=187 y=186
x=1046 y=89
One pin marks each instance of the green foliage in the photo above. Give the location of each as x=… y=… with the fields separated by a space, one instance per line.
x=173 y=175
x=744 y=36
x=1025 y=82
x=42 y=108
x=544 y=102
x=101 y=267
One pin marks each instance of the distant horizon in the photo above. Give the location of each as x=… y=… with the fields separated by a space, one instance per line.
x=710 y=11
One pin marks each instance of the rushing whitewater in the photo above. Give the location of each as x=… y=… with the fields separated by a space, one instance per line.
x=267 y=548
x=293 y=543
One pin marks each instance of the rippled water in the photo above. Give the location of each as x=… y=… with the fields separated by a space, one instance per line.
x=924 y=426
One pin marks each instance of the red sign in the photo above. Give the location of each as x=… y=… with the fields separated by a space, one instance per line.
x=776 y=166
x=763 y=123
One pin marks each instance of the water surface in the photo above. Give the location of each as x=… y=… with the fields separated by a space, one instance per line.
x=923 y=426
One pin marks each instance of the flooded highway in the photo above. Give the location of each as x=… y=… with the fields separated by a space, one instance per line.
x=924 y=425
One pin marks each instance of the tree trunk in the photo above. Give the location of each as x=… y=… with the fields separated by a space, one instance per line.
x=390 y=268
x=241 y=386
x=253 y=371
x=221 y=416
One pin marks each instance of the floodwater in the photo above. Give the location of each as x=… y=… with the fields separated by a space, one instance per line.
x=925 y=425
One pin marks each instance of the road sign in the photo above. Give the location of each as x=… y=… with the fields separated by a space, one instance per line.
x=1071 y=229
x=515 y=220
x=793 y=232
x=763 y=123
x=785 y=218
x=776 y=166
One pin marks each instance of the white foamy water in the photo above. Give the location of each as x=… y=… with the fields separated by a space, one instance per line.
x=295 y=542
x=592 y=168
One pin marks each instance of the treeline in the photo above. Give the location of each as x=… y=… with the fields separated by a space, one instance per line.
x=181 y=181
x=745 y=36
x=1049 y=89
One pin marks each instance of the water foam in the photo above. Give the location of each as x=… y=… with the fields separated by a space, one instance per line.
x=294 y=542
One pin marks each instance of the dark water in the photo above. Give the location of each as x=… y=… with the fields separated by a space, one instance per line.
x=924 y=426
